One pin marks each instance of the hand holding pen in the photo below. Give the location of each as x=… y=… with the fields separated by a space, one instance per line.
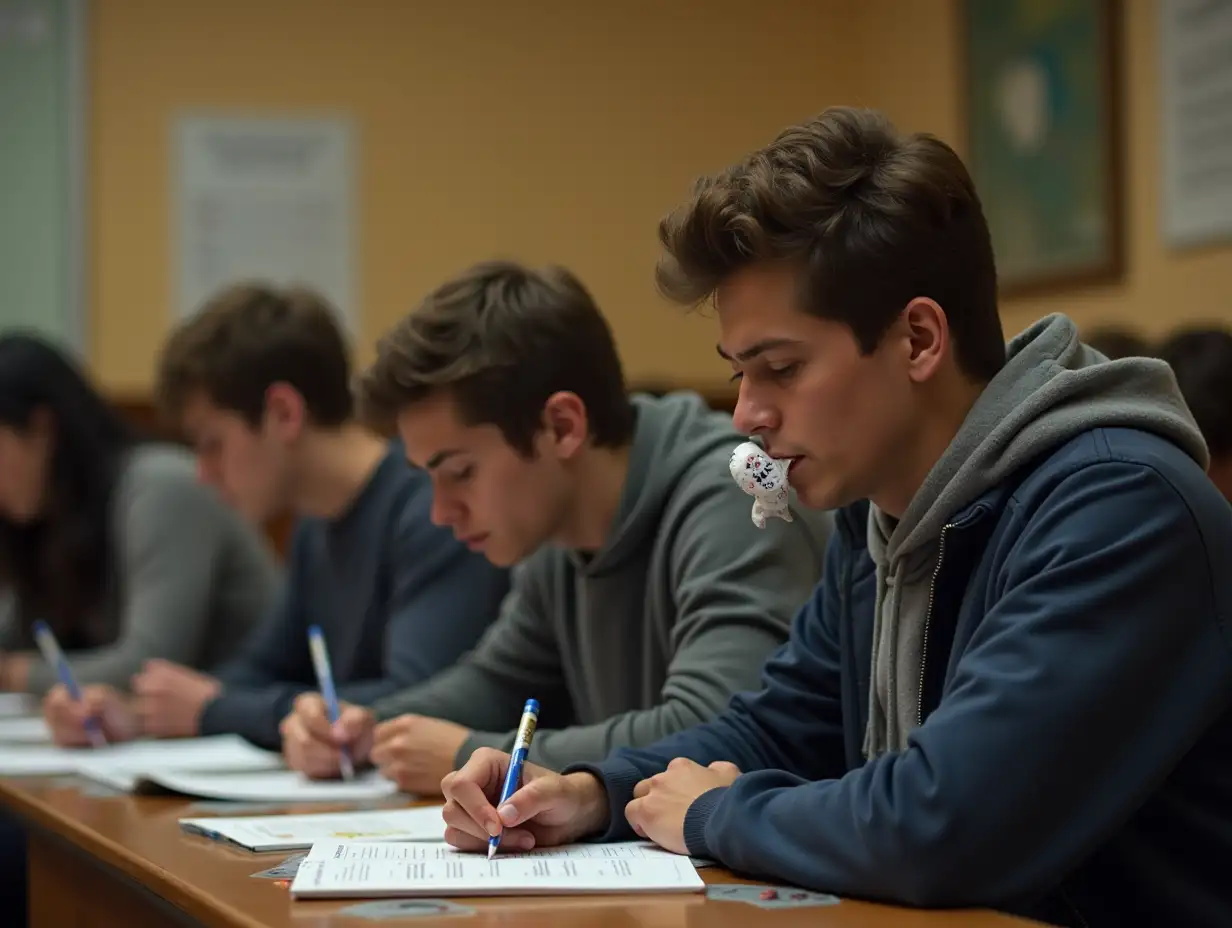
x=325 y=680
x=513 y=776
x=50 y=649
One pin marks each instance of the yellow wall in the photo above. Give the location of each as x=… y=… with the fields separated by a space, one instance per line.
x=545 y=129
x=914 y=76
x=552 y=130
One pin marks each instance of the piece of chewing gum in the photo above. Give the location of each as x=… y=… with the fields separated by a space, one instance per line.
x=764 y=479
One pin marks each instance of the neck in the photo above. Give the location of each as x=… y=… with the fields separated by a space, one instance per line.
x=934 y=434
x=333 y=467
x=599 y=482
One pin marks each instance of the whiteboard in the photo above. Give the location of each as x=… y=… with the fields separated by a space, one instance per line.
x=43 y=225
x=264 y=198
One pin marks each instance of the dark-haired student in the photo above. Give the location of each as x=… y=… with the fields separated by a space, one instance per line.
x=110 y=539
x=644 y=597
x=1012 y=687
x=1201 y=359
x=259 y=380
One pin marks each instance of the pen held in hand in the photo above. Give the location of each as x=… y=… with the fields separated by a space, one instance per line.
x=513 y=776
x=55 y=658
x=325 y=681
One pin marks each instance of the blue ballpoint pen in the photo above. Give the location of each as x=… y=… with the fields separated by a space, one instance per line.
x=325 y=680
x=50 y=648
x=513 y=776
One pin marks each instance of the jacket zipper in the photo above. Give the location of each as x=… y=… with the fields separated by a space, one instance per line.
x=928 y=615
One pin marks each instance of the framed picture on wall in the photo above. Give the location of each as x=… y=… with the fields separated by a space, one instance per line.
x=1043 y=132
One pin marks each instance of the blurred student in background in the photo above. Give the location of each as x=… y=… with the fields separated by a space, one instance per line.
x=1201 y=358
x=110 y=539
x=259 y=381
x=645 y=595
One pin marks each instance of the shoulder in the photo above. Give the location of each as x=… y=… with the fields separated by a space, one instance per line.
x=159 y=481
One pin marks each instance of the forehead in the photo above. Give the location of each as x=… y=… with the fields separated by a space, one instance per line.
x=758 y=306
x=433 y=425
x=201 y=414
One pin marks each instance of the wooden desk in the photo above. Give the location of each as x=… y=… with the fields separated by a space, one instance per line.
x=124 y=861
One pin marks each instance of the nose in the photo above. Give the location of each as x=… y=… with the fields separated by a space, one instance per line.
x=753 y=414
x=444 y=511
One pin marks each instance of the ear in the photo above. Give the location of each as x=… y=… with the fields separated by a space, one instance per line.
x=928 y=337
x=565 y=423
x=285 y=414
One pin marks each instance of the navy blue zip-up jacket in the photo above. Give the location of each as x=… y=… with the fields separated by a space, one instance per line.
x=1072 y=758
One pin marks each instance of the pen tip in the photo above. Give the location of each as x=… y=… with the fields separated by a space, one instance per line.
x=491 y=850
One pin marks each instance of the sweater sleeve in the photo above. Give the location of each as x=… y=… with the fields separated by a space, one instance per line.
x=736 y=590
x=168 y=530
x=442 y=599
x=517 y=656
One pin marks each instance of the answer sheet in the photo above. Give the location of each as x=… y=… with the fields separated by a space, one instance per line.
x=363 y=869
x=263 y=833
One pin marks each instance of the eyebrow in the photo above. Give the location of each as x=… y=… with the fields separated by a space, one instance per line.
x=766 y=344
x=440 y=458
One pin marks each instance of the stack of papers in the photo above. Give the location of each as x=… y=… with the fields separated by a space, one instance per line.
x=268 y=786
x=374 y=870
x=262 y=833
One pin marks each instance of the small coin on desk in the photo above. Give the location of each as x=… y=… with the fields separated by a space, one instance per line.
x=283 y=871
x=405 y=908
x=769 y=897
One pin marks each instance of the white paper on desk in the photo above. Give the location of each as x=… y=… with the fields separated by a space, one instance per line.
x=271 y=786
x=38 y=760
x=28 y=730
x=13 y=705
x=129 y=765
x=262 y=833
x=370 y=869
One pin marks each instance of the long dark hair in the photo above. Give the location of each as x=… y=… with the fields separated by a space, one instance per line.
x=57 y=565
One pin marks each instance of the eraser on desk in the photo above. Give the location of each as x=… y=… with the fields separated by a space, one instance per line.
x=769 y=897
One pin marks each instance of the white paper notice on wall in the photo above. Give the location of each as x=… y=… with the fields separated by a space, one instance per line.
x=1196 y=70
x=268 y=199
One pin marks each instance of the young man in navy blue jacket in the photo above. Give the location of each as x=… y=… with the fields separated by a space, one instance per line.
x=1012 y=687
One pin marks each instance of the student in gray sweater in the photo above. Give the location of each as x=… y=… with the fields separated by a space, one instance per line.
x=110 y=540
x=259 y=380
x=644 y=595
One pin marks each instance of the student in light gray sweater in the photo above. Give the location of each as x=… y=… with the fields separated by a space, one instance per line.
x=644 y=596
x=111 y=541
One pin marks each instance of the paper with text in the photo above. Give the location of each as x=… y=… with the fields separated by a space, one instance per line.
x=262 y=833
x=369 y=869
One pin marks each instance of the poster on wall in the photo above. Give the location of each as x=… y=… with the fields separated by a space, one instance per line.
x=1043 y=137
x=264 y=199
x=1196 y=71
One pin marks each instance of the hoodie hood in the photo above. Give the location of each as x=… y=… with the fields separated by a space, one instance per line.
x=671 y=434
x=1052 y=388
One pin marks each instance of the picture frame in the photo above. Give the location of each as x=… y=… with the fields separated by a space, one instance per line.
x=1043 y=124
